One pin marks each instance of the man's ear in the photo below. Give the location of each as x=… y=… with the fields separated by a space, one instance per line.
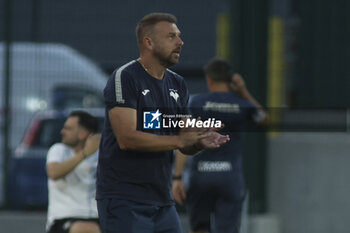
x=209 y=81
x=148 y=43
x=84 y=134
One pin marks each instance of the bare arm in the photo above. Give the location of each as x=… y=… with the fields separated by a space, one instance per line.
x=238 y=85
x=124 y=125
x=180 y=161
x=178 y=187
x=57 y=170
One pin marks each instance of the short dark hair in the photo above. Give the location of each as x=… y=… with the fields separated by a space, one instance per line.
x=147 y=23
x=86 y=120
x=218 y=70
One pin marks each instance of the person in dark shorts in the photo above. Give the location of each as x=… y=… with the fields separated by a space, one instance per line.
x=216 y=184
x=65 y=225
x=136 y=153
x=71 y=169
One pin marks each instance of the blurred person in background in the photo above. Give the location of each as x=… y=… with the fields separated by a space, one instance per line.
x=216 y=184
x=71 y=169
x=134 y=168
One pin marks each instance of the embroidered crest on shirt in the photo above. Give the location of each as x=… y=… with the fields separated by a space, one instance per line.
x=173 y=93
x=145 y=92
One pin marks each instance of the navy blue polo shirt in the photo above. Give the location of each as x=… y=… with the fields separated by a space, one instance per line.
x=234 y=112
x=135 y=175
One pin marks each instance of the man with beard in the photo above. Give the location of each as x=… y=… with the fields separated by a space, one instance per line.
x=134 y=169
x=71 y=168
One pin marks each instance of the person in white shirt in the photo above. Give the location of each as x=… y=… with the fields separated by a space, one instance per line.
x=71 y=169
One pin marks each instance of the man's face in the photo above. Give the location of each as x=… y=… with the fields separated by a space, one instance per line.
x=71 y=131
x=167 y=43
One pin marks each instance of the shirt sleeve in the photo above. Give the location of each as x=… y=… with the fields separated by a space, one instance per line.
x=120 y=91
x=55 y=153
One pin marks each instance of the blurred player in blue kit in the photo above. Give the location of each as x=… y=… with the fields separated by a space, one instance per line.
x=216 y=184
x=135 y=162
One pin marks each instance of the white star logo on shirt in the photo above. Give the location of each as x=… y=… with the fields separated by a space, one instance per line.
x=156 y=115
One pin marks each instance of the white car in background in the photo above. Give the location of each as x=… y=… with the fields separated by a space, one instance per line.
x=46 y=76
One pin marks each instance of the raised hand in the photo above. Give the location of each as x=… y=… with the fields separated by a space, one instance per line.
x=92 y=144
x=237 y=84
